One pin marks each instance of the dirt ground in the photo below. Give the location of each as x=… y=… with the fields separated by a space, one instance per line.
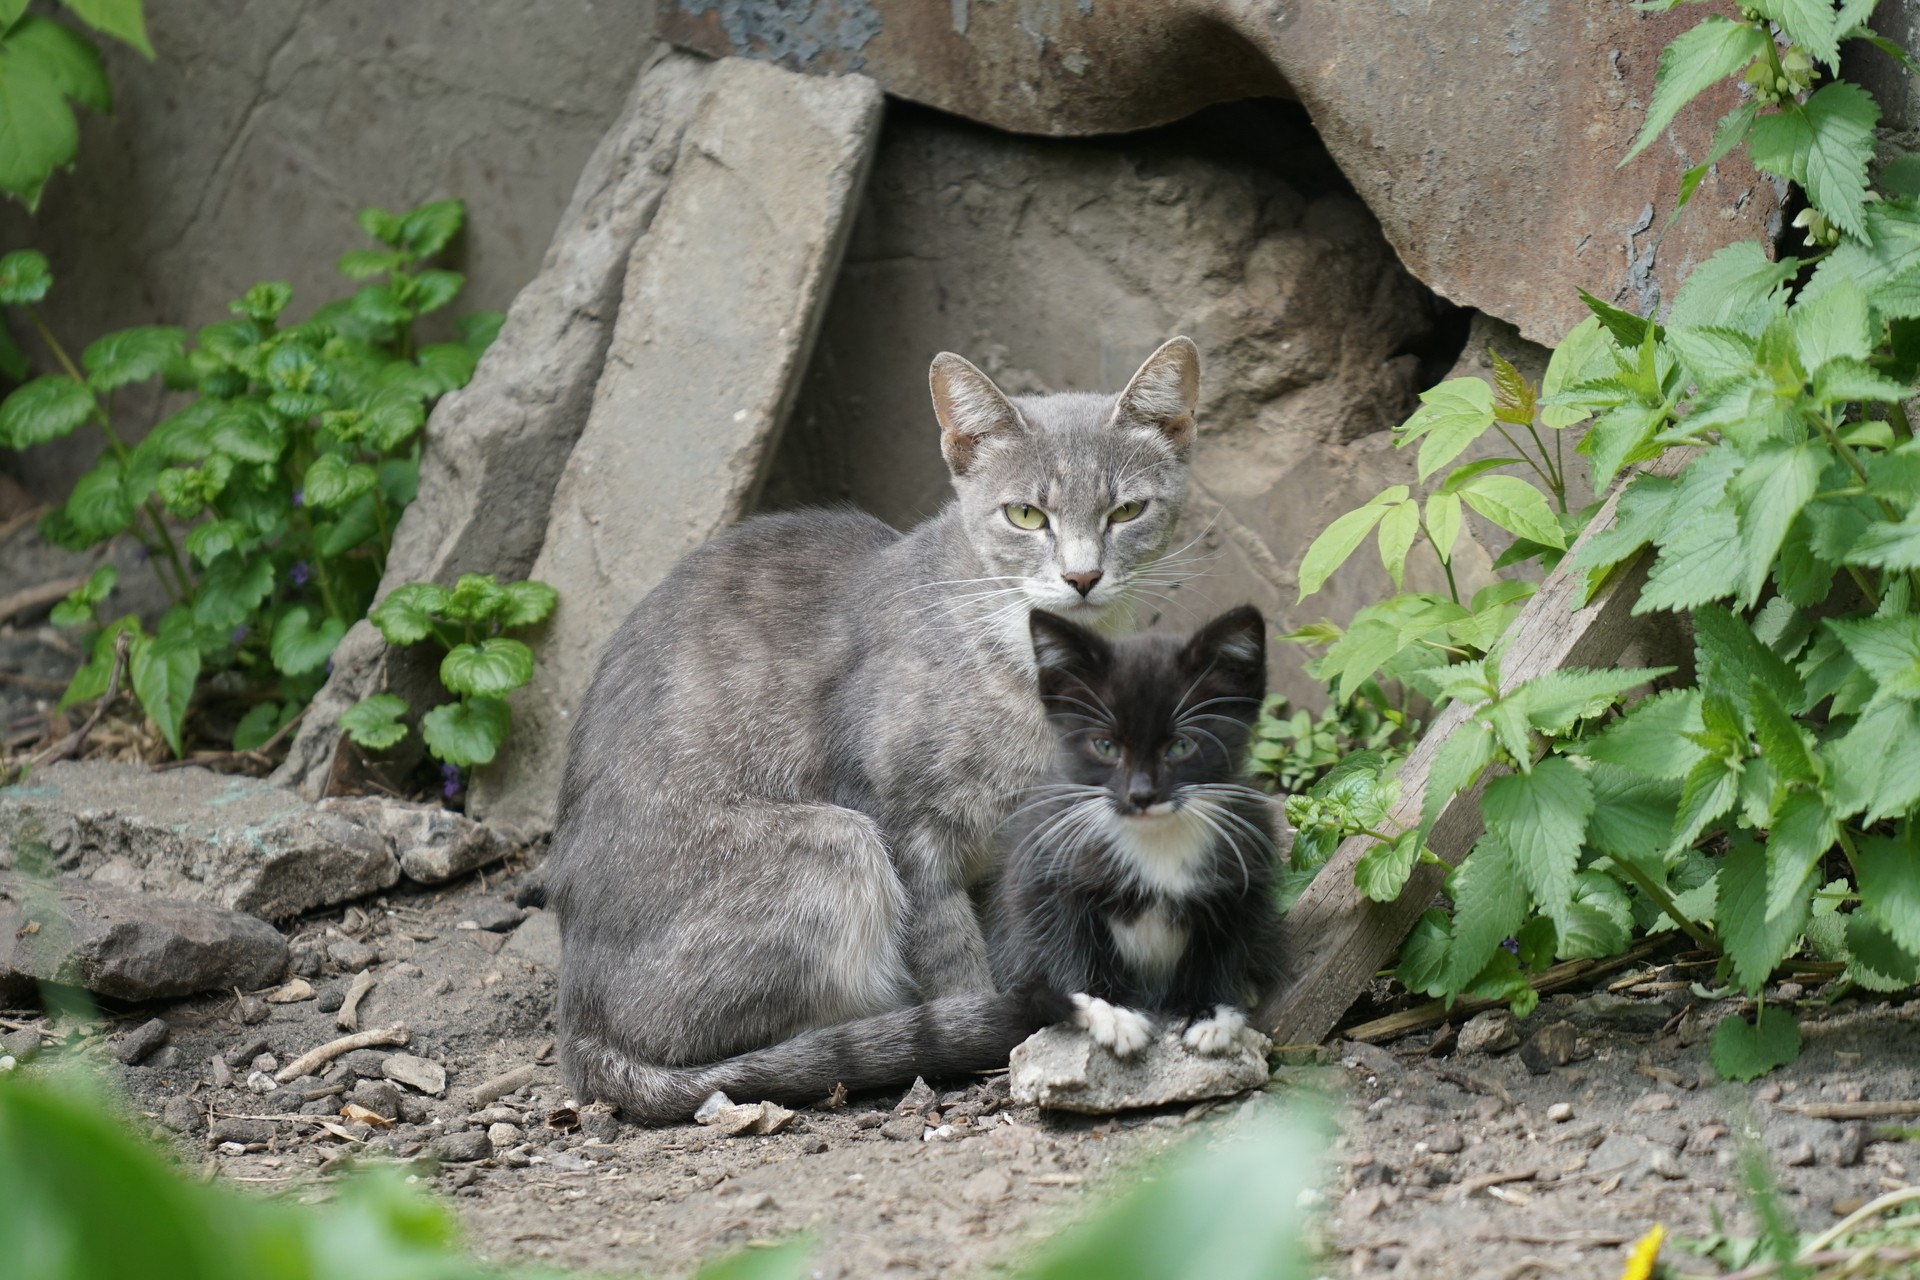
x=1450 y=1165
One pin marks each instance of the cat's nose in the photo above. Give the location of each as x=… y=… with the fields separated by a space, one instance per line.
x=1140 y=792
x=1082 y=582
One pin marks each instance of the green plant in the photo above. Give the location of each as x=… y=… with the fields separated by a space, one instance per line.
x=480 y=667
x=1292 y=752
x=45 y=66
x=1768 y=804
x=266 y=504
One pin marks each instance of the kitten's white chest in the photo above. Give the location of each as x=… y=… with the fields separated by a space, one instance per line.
x=1164 y=854
x=1151 y=943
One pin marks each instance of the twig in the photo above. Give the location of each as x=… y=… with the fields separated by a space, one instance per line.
x=348 y=1016
x=72 y=742
x=1872 y=1209
x=1872 y=1253
x=14 y=523
x=1486 y=1180
x=1851 y=1110
x=1475 y=1084
x=306 y=1062
x=28 y=599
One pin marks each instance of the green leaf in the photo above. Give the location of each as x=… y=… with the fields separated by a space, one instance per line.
x=257 y=727
x=246 y=431
x=1691 y=64
x=99 y=505
x=1710 y=789
x=488 y=669
x=374 y=722
x=1515 y=506
x=1824 y=145
x=449 y=364
x=1728 y=134
x=1585 y=353
x=121 y=19
x=45 y=409
x=1874 y=959
x=478 y=329
x=1755 y=942
x=379 y=224
x=1626 y=328
x=1451 y=416
x=1889 y=546
x=38 y=126
x=476 y=597
x=1382 y=871
x=68 y=58
x=1742 y=1051
x=1423 y=957
x=1655 y=737
x=427 y=229
x=1890 y=886
x=1514 y=400
x=1803 y=832
x=91 y=680
x=1692 y=568
x=1733 y=286
x=333 y=482
x=1633 y=816
x=1786 y=746
x=300 y=645
x=406 y=615
x=364 y=264
x=1554 y=701
x=1398 y=528
x=435 y=289
x=1767 y=495
x=1336 y=542
x=263 y=303
x=1541 y=819
x=164 y=671
x=527 y=603
x=1835 y=325
x=230 y=590
x=1489 y=903
x=1888 y=649
x=1871 y=766
x=1597 y=922
x=132 y=355
x=1455 y=766
x=1808 y=23
x=24 y=277
x=466 y=733
x=1841 y=381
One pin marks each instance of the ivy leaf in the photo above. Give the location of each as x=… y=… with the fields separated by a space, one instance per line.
x=164 y=670
x=1755 y=941
x=1382 y=871
x=230 y=590
x=121 y=19
x=427 y=229
x=1515 y=506
x=300 y=646
x=1691 y=64
x=333 y=482
x=1541 y=819
x=44 y=409
x=406 y=615
x=374 y=722
x=466 y=733
x=488 y=669
x=527 y=603
x=132 y=355
x=1742 y=1051
x=257 y=727
x=1890 y=887
x=1398 y=528
x=1451 y=416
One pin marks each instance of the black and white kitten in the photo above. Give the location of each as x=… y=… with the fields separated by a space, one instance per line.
x=1140 y=882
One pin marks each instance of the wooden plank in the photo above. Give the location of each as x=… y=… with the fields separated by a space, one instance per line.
x=1337 y=939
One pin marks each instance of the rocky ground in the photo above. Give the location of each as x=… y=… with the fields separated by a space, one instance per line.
x=1467 y=1163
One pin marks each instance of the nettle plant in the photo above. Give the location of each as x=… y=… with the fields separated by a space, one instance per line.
x=1765 y=803
x=267 y=504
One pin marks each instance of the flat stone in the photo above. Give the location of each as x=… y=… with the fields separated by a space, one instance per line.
x=194 y=835
x=1060 y=1068
x=431 y=844
x=1554 y=1045
x=353 y=955
x=1490 y=1032
x=381 y=1097
x=182 y=1115
x=292 y=992
x=129 y=946
x=460 y=1148
x=537 y=941
x=907 y=1128
x=496 y=916
x=142 y=1040
x=242 y=1129
x=416 y=1073
x=495 y=448
x=722 y=300
x=1447 y=1142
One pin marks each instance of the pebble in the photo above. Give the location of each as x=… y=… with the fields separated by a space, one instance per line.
x=568 y=1162
x=251 y=1011
x=166 y=1058
x=291 y=992
x=21 y=1045
x=332 y=996
x=1664 y=1163
x=241 y=1129
x=261 y=1082
x=1554 y=1045
x=906 y=1128
x=371 y=1063
x=1648 y=1103
x=1797 y=1156
x=246 y=1051
x=495 y=916
x=351 y=955
x=219 y=1072
x=1560 y=1112
x=181 y=1115
x=1845 y=1146
x=503 y=1135
x=265 y=1062
x=600 y=1126
x=1490 y=1032
x=382 y=1097
x=142 y=1040
x=416 y=1073
x=455 y=1148
x=919 y=1098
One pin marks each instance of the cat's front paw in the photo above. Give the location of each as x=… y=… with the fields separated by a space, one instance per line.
x=1216 y=1035
x=1124 y=1031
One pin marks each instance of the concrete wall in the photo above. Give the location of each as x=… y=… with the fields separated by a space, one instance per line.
x=243 y=151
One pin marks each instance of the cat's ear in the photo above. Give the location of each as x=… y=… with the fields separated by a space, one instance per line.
x=1064 y=651
x=1164 y=394
x=1234 y=647
x=970 y=409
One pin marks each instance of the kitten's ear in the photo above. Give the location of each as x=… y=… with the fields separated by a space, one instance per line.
x=1064 y=650
x=970 y=409
x=1164 y=394
x=1234 y=645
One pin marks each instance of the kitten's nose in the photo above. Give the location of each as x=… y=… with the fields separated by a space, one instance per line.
x=1140 y=792
x=1082 y=582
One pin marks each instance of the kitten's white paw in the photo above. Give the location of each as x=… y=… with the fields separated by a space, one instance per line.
x=1124 y=1031
x=1216 y=1034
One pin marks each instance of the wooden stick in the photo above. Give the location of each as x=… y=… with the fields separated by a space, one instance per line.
x=1337 y=938
x=306 y=1062
x=45 y=595
x=1851 y=1110
x=348 y=1016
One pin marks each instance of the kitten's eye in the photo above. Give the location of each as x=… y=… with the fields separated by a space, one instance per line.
x=1024 y=515
x=1180 y=748
x=1126 y=511
x=1104 y=748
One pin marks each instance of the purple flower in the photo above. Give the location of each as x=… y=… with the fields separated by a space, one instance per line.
x=299 y=573
x=239 y=636
x=1513 y=945
x=449 y=780
x=299 y=497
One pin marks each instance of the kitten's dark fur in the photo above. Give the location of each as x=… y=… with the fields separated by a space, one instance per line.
x=1141 y=880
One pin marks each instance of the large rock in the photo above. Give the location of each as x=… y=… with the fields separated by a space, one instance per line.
x=1060 y=1068
x=495 y=449
x=717 y=319
x=128 y=946
x=193 y=835
x=1484 y=136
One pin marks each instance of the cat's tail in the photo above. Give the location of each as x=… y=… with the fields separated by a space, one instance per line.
x=948 y=1036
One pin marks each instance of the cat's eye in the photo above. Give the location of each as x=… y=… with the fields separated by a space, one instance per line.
x=1126 y=511
x=1180 y=748
x=1105 y=748
x=1024 y=515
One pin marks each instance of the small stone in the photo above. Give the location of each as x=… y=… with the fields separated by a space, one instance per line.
x=569 y=1162
x=368 y=1063
x=1060 y=1068
x=332 y=996
x=261 y=1082
x=457 y=1148
x=505 y=1135
x=219 y=1072
x=1560 y=1112
x=907 y=1128
x=250 y=1011
x=241 y=1129
x=265 y=1062
x=181 y=1115
x=716 y=1102
x=603 y=1126
x=1491 y=1032
x=1701 y=1141
x=495 y=916
x=22 y=1045
x=141 y=1041
x=518 y=1158
x=246 y=1051
x=166 y=1058
x=1797 y=1156
x=491 y=943
x=1551 y=1046
x=1648 y=1103
x=920 y=1098
x=416 y=1073
x=1447 y=1142
x=869 y=1120
x=773 y=1118
x=292 y=992
x=1662 y=1133
x=353 y=955
x=1844 y=1146
x=382 y=1097
x=1665 y=1164
x=308 y=964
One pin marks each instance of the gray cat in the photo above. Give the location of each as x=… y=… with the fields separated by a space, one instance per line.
x=788 y=771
